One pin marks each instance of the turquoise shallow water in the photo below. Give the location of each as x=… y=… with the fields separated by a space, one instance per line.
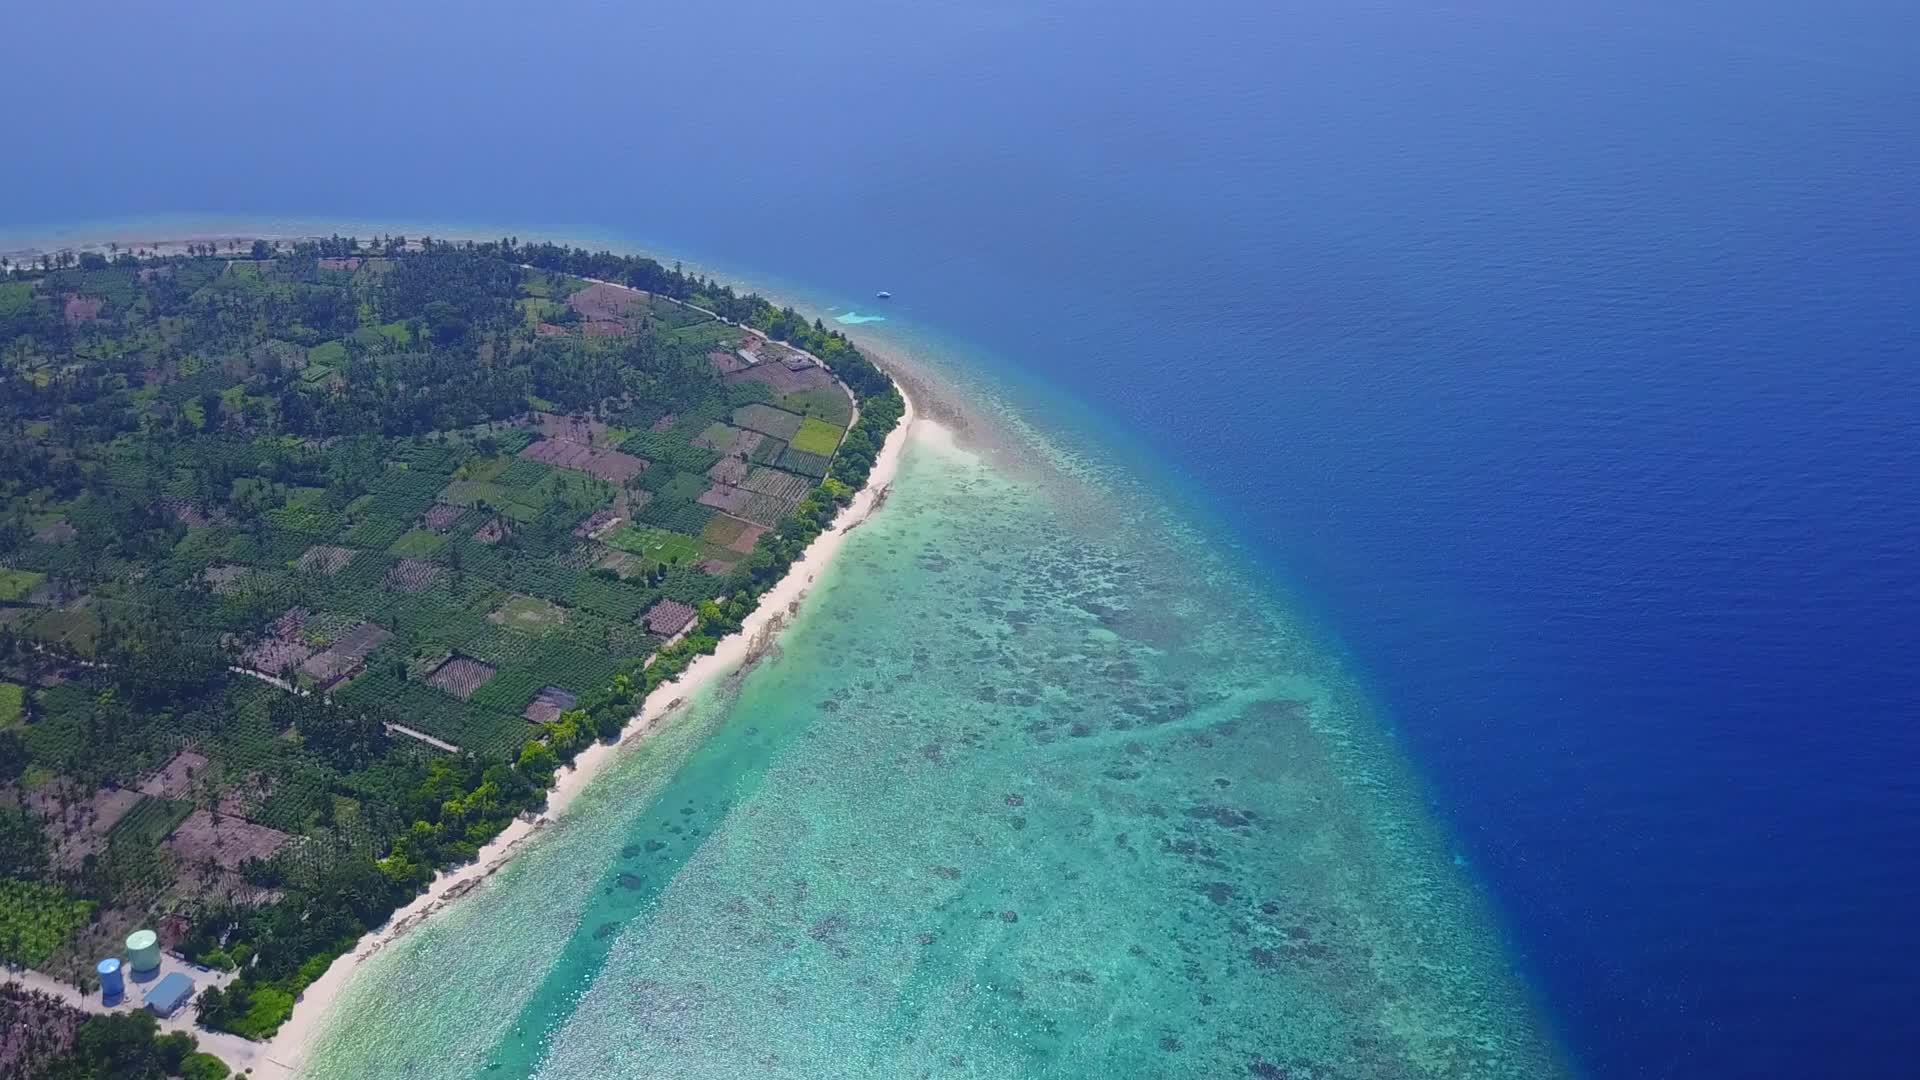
x=1035 y=786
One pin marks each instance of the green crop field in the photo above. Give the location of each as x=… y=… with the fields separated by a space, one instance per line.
x=418 y=542
x=660 y=545
x=327 y=354
x=768 y=420
x=13 y=703
x=15 y=584
x=826 y=402
x=529 y=613
x=149 y=822
x=35 y=919
x=816 y=436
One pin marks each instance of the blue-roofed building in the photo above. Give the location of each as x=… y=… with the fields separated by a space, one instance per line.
x=169 y=994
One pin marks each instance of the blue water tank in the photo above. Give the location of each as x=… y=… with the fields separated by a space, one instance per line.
x=112 y=985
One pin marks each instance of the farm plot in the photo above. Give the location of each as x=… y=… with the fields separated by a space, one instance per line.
x=326 y=559
x=502 y=500
x=732 y=534
x=816 y=436
x=669 y=617
x=768 y=420
x=227 y=842
x=78 y=828
x=718 y=436
x=678 y=515
x=461 y=676
x=609 y=465
x=282 y=646
x=829 y=403
x=548 y=704
x=727 y=499
x=624 y=564
x=608 y=303
x=767 y=451
x=174 y=780
x=418 y=542
x=657 y=545
x=784 y=486
x=598 y=524
x=36 y=919
x=729 y=471
x=412 y=576
x=529 y=614
x=441 y=516
x=15 y=584
x=342 y=660
x=782 y=378
x=684 y=487
x=575 y=429
x=150 y=821
x=798 y=461
x=13 y=704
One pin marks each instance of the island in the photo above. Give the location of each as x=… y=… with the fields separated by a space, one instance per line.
x=321 y=558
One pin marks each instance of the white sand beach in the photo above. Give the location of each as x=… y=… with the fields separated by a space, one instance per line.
x=284 y=1054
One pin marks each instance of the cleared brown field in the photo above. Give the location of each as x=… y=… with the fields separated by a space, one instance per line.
x=729 y=471
x=668 y=617
x=174 y=780
x=227 y=842
x=76 y=829
x=726 y=363
x=326 y=559
x=573 y=429
x=548 y=704
x=461 y=676
x=608 y=303
x=441 y=516
x=341 y=661
x=83 y=309
x=599 y=523
x=782 y=379
x=726 y=498
x=412 y=575
x=609 y=465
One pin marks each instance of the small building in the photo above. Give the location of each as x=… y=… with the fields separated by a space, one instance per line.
x=143 y=952
x=169 y=994
x=112 y=983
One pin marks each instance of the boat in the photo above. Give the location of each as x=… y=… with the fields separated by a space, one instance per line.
x=883 y=295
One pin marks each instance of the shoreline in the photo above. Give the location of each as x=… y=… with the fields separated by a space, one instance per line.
x=284 y=1054
x=286 y=1051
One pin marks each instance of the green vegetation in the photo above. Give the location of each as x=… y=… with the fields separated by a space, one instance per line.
x=816 y=437
x=658 y=545
x=150 y=821
x=377 y=472
x=35 y=919
x=15 y=584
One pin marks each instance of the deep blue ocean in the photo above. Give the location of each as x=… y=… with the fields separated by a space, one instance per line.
x=1563 y=360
